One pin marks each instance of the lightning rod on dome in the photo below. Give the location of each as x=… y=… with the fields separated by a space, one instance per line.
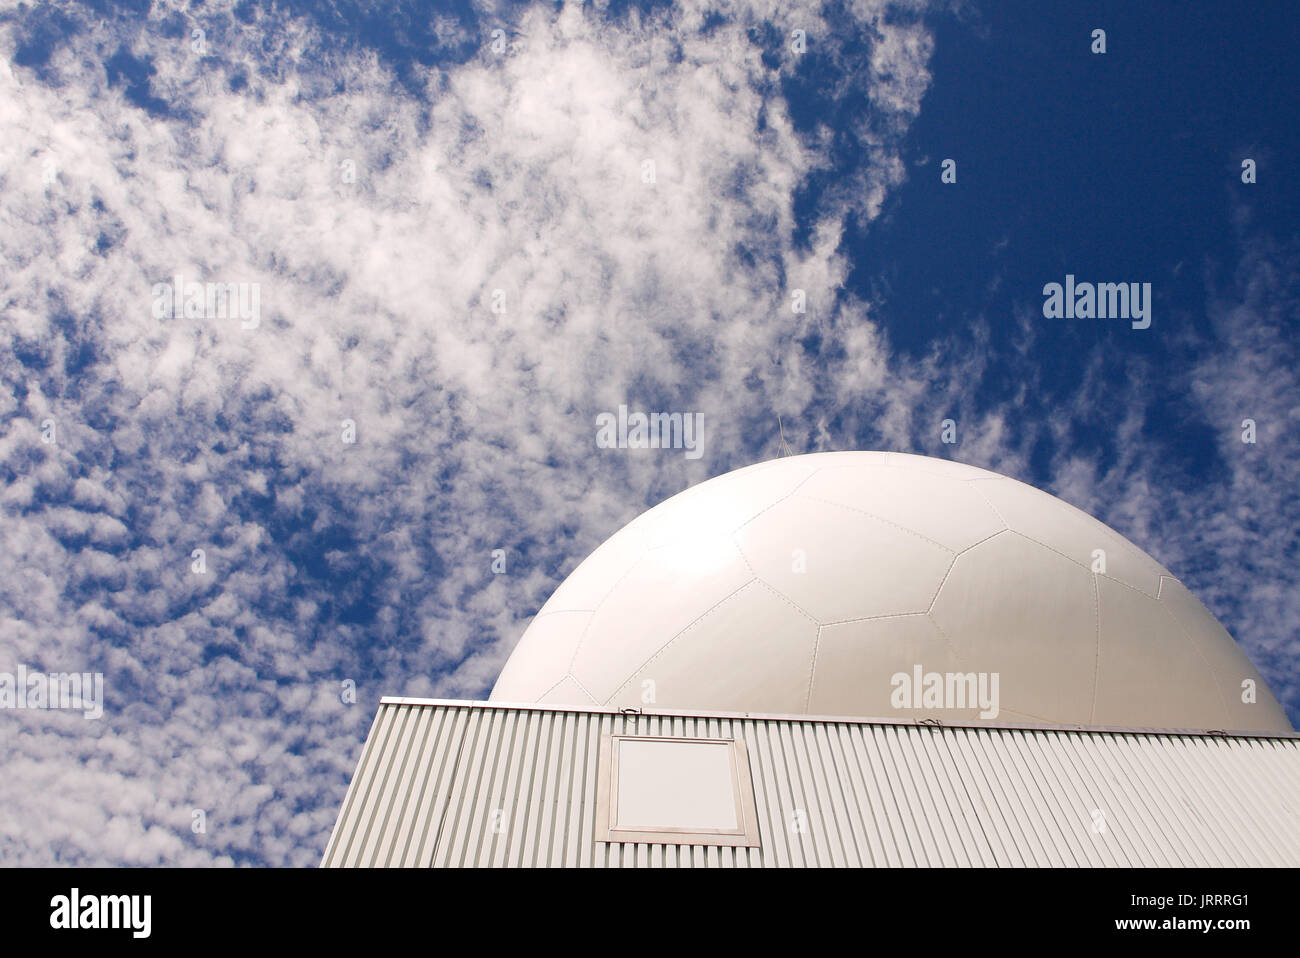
x=785 y=449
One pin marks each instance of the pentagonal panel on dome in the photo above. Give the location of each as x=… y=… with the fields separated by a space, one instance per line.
x=536 y=665
x=668 y=589
x=947 y=511
x=1071 y=532
x=1148 y=675
x=1228 y=663
x=836 y=563
x=857 y=661
x=714 y=507
x=1012 y=606
x=595 y=576
x=753 y=642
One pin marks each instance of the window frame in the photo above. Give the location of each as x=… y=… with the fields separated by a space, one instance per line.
x=745 y=835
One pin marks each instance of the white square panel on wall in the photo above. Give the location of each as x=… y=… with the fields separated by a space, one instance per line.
x=676 y=791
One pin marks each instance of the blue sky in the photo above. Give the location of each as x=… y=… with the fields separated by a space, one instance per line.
x=381 y=170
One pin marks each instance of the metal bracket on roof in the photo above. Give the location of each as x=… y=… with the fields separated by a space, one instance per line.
x=1217 y=731
x=630 y=711
x=932 y=722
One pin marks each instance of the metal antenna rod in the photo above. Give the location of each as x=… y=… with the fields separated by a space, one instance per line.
x=785 y=446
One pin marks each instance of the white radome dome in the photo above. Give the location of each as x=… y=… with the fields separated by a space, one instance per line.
x=804 y=585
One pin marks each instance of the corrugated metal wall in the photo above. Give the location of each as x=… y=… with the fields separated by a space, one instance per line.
x=453 y=784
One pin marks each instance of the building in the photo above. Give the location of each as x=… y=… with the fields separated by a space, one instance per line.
x=847 y=659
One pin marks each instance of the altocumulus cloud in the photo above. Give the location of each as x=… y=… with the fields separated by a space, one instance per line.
x=619 y=188
x=468 y=261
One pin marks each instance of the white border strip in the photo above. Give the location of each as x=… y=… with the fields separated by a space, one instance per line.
x=833 y=719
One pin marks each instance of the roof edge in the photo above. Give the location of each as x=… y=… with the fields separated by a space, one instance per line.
x=928 y=722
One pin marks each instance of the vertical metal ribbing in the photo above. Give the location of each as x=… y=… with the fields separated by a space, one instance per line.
x=1062 y=814
x=1230 y=776
x=986 y=831
x=1041 y=837
x=1001 y=802
x=435 y=766
x=467 y=784
x=939 y=800
x=889 y=785
x=1278 y=765
x=432 y=809
x=372 y=799
x=966 y=809
x=593 y=725
x=450 y=835
x=342 y=826
x=907 y=792
x=1121 y=827
x=841 y=781
x=1054 y=754
x=398 y=824
x=766 y=796
x=1148 y=809
x=1188 y=787
x=517 y=783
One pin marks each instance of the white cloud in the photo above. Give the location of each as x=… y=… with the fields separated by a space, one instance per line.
x=370 y=562
x=525 y=173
